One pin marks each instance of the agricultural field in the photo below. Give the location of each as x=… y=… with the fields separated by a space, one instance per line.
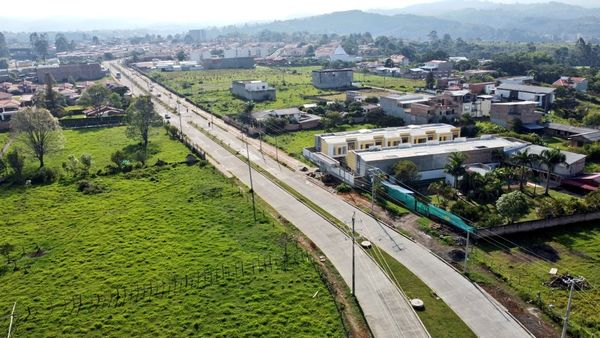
x=524 y=262
x=393 y=83
x=159 y=251
x=210 y=88
x=293 y=143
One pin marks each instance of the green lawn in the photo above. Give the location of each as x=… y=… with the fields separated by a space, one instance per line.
x=210 y=88
x=394 y=83
x=4 y=136
x=149 y=227
x=437 y=317
x=574 y=250
x=293 y=142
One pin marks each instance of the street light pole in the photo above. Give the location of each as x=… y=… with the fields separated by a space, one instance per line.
x=353 y=258
x=251 y=184
x=373 y=189
x=566 y=321
x=466 y=252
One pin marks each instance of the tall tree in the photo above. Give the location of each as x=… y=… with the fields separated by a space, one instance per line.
x=430 y=81
x=140 y=118
x=3 y=47
x=455 y=166
x=40 y=131
x=61 y=43
x=524 y=160
x=96 y=96
x=16 y=161
x=39 y=43
x=406 y=171
x=550 y=158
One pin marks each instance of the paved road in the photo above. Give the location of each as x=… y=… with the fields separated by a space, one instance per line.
x=484 y=315
x=387 y=310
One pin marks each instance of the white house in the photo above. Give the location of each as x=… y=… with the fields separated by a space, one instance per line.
x=543 y=96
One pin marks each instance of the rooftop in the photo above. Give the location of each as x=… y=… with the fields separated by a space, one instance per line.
x=571 y=129
x=515 y=103
x=537 y=150
x=526 y=88
x=429 y=149
x=332 y=70
x=387 y=132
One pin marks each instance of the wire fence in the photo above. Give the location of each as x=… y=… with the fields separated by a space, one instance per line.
x=221 y=275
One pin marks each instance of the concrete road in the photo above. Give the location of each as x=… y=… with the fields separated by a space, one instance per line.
x=386 y=309
x=484 y=315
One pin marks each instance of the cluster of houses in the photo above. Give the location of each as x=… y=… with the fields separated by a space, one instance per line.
x=17 y=96
x=352 y=156
x=58 y=72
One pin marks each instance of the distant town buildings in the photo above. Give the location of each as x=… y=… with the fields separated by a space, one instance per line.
x=506 y=114
x=253 y=90
x=579 y=84
x=68 y=72
x=439 y=68
x=333 y=52
x=543 y=96
x=228 y=63
x=197 y=35
x=294 y=118
x=332 y=78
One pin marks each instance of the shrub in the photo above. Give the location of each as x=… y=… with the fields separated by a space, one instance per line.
x=513 y=205
x=467 y=211
x=592 y=200
x=550 y=208
x=343 y=188
x=90 y=188
x=118 y=158
x=44 y=175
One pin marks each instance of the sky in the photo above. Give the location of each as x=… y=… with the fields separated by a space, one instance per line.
x=210 y=12
x=200 y=13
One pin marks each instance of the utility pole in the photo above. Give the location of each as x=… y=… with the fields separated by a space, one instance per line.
x=572 y=282
x=276 y=150
x=251 y=184
x=373 y=189
x=12 y=317
x=466 y=252
x=180 y=123
x=260 y=140
x=353 y=264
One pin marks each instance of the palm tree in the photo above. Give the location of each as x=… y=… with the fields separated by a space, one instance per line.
x=506 y=174
x=522 y=159
x=551 y=158
x=455 y=166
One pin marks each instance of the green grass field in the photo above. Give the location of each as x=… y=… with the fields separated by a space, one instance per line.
x=394 y=83
x=574 y=250
x=149 y=227
x=210 y=88
x=4 y=136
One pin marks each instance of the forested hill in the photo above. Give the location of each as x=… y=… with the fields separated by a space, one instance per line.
x=511 y=22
